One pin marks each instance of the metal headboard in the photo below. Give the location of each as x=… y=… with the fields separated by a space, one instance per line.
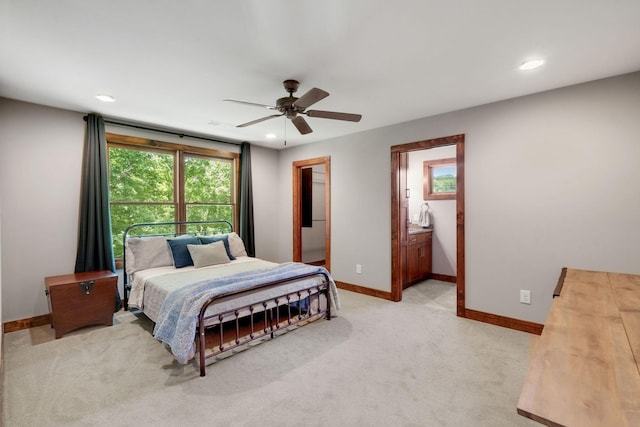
x=180 y=228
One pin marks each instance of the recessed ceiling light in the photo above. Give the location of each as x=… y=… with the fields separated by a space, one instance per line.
x=105 y=98
x=532 y=63
x=270 y=135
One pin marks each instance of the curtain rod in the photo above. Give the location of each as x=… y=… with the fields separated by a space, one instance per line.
x=169 y=132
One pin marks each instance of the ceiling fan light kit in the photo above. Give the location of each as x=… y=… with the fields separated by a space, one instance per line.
x=291 y=107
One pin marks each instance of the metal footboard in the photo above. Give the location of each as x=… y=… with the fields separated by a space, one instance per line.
x=238 y=327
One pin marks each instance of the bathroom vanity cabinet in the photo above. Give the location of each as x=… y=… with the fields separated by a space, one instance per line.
x=418 y=255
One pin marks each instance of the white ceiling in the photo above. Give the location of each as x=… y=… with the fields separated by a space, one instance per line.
x=170 y=64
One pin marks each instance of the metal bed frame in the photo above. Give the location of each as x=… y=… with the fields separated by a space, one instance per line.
x=181 y=228
x=266 y=318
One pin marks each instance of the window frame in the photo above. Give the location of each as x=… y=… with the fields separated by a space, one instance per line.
x=428 y=169
x=179 y=151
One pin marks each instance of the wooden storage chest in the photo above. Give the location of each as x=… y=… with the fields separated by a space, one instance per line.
x=81 y=299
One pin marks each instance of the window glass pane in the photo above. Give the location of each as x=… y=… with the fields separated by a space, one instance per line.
x=140 y=176
x=207 y=180
x=144 y=187
x=444 y=179
x=123 y=215
x=210 y=213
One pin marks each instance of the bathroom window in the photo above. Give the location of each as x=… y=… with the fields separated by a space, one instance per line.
x=439 y=177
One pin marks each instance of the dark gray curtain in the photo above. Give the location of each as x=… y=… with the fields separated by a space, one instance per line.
x=95 y=251
x=246 y=200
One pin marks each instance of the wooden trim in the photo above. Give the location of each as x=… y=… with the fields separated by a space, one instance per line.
x=460 y=224
x=443 y=278
x=152 y=143
x=236 y=193
x=1 y=377
x=296 y=171
x=327 y=212
x=296 y=183
x=32 y=322
x=506 y=322
x=397 y=264
x=365 y=291
x=396 y=252
x=178 y=190
x=558 y=289
x=428 y=143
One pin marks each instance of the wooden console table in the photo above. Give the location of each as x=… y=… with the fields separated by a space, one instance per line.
x=585 y=368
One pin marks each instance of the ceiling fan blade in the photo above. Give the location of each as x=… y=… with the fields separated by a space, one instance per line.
x=270 y=107
x=253 y=122
x=334 y=115
x=311 y=97
x=301 y=124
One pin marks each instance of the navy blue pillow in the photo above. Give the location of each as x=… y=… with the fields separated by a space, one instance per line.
x=180 y=252
x=212 y=239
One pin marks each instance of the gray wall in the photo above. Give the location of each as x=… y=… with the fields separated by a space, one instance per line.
x=40 y=161
x=552 y=180
x=40 y=167
x=264 y=169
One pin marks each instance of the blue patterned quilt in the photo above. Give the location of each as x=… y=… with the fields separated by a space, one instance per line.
x=178 y=317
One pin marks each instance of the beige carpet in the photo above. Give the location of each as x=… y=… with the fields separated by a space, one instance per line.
x=379 y=363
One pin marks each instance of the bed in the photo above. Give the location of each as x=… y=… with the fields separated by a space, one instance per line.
x=206 y=297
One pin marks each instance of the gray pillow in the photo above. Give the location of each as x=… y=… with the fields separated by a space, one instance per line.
x=223 y=238
x=147 y=252
x=210 y=254
x=236 y=245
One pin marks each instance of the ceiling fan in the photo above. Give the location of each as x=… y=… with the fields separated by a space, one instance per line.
x=292 y=107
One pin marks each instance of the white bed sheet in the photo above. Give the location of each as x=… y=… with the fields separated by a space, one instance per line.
x=150 y=287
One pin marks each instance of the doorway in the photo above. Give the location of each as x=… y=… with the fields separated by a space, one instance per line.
x=399 y=214
x=315 y=222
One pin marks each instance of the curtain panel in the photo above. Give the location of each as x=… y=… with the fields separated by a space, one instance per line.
x=246 y=200
x=95 y=250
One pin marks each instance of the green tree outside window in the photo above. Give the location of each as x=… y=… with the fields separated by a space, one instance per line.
x=144 y=187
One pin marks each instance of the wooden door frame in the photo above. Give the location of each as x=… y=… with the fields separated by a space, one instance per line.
x=396 y=243
x=297 y=211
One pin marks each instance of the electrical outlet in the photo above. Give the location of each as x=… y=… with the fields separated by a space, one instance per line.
x=525 y=296
x=358 y=269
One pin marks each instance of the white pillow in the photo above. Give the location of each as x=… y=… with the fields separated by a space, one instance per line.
x=210 y=254
x=236 y=245
x=147 y=252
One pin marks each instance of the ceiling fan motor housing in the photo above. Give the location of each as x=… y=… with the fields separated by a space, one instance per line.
x=286 y=105
x=291 y=86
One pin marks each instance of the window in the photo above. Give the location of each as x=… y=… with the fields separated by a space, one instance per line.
x=152 y=181
x=439 y=179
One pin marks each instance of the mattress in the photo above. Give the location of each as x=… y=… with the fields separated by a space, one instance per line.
x=149 y=288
